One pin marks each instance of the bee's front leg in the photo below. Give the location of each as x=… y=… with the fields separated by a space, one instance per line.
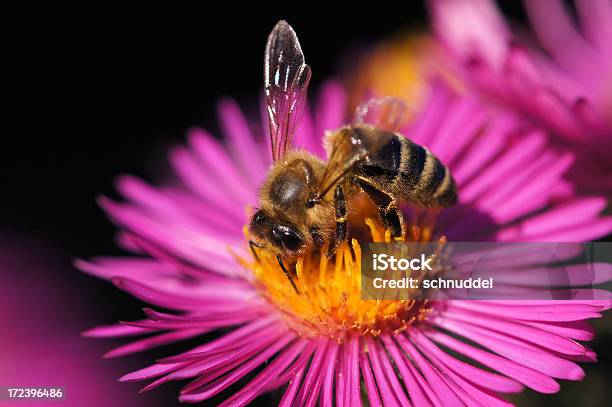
x=287 y=274
x=341 y=225
x=252 y=246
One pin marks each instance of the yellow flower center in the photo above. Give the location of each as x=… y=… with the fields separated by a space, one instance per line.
x=329 y=301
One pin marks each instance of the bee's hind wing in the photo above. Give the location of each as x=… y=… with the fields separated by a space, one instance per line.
x=386 y=113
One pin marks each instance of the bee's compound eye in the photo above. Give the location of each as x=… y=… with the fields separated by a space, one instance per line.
x=260 y=224
x=259 y=218
x=288 y=237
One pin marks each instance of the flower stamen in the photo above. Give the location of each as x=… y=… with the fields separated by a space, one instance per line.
x=329 y=302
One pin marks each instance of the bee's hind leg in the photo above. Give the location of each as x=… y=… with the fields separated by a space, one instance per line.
x=392 y=217
x=341 y=225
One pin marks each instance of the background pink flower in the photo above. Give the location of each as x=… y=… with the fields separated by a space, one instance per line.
x=41 y=318
x=561 y=79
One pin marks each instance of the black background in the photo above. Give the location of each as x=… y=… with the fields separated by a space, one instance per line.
x=94 y=91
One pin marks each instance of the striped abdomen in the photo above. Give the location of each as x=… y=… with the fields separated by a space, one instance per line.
x=410 y=172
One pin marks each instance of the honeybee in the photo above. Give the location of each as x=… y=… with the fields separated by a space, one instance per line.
x=304 y=201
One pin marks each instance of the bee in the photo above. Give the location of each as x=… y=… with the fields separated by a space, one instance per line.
x=304 y=201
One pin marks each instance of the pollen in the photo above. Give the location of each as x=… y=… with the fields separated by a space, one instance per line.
x=328 y=302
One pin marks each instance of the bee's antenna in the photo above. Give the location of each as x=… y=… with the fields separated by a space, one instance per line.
x=282 y=265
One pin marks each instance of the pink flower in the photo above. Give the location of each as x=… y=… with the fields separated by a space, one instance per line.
x=41 y=317
x=319 y=346
x=564 y=86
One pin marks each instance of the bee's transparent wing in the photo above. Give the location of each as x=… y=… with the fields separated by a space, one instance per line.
x=286 y=79
x=386 y=113
x=344 y=155
x=347 y=150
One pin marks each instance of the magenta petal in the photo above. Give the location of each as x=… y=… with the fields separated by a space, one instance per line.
x=471 y=373
x=385 y=390
x=305 y=137
x=467 y=391
x=459 y=23
x=522 y=71
x=341 y=377
x=370 y=382
x=198 y=248
x=153 y=342
x=444 y=393
x=459 y=128
x=589 y=356
x=213 y=159
x=214 y=372
x=592 y=119
x=523 y=374
x=353 y=381
x=255 y=386
x=210 y=213
x=596 y=16
x=534 y=310
x=330 y=113
x=412 y=384
x=242 y=142
x=483 y=150
x=202 y=181
x=328 y=382
x=115 y=330
x=221 y=345
x=519 y=351
x=378 y=352
x=298 y=366
x=570 y=213
x=314 y=395
x=149 y=372
x=440 y=100
x=237 y=337
x=292 y=389
x=514 y=158
x=526 y=199
x=578 y=330
x=566 y=276
x=314 y=372
x=576 y=233
x=196 y=394
x=552 y=23
x=524 y=332
x=170 y=296
x=216 y=363
x=346 y=375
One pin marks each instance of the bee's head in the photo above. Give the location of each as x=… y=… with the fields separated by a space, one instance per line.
x=282 y=236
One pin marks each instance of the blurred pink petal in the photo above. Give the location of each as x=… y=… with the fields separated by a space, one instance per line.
x=566 y=88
